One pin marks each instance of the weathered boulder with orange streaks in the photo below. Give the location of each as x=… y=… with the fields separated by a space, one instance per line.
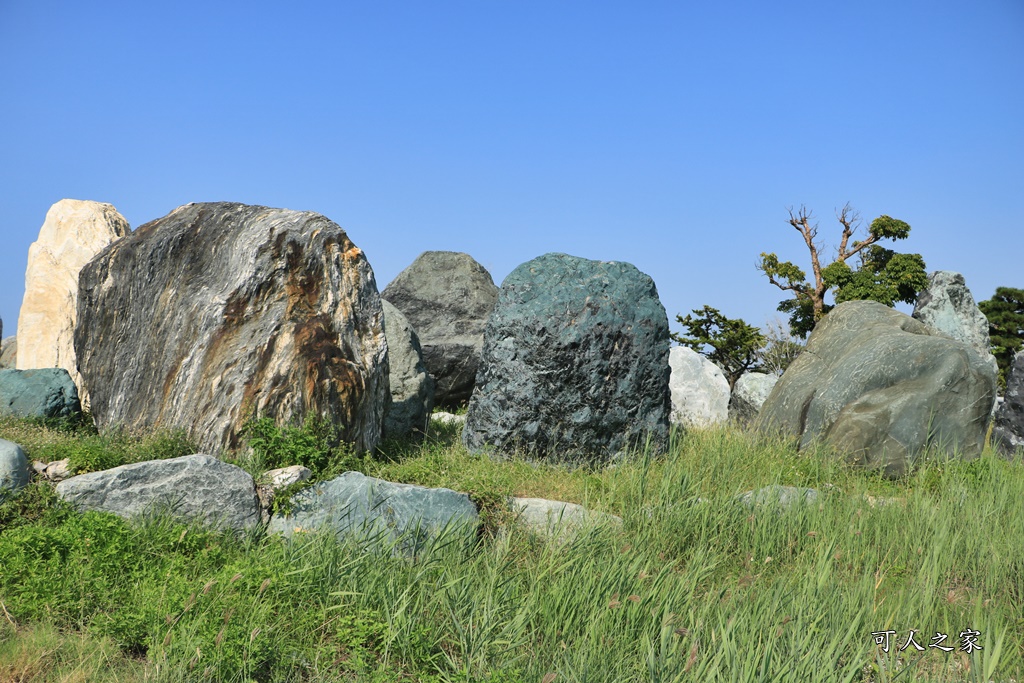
x=216 y=311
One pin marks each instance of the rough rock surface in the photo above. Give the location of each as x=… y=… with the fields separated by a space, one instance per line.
x=699 y=389
x=447 y=297
x=946 y=306
x=72 y=234
x=216 y=311
x=752 y=390
x=356 y=504
x=574 y=364
x=283 y=477
x=14 y=468
x=46 y=392
x=1008 y=426
x=556 y=518
x=412 y=388
x=882 y=387
x=8 y=353
x=192 y=487
x=58 y=470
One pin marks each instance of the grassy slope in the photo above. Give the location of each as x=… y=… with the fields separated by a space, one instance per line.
x=693 y=587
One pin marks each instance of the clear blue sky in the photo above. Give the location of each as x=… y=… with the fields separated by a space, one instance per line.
x=673 y=135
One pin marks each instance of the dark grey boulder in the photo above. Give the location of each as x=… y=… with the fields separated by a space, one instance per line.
x=946 y=306
x=46 y=392
x=8 y=353
x=882 y=388
x=447 y=297
x=197 y=488
x=354 y=504
x=574 y=365
x=1008 y=425
x=15 y=471
x=216 y=312
x=412 y=387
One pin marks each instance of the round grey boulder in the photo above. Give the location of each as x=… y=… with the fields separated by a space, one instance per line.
x=15 y=471
x=574 y=365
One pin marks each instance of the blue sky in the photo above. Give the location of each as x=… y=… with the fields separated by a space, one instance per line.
x=673 y=135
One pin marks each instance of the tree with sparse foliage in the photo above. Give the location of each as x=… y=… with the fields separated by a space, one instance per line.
x=731 y=344
x=1005 y=313
x=780 y=349
x=882 y=274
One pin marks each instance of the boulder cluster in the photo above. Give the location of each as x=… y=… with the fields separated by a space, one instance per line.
x=221 y=312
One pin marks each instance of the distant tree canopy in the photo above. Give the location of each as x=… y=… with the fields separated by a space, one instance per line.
x=1005 y=313
x=731 y=344
x=882 y=274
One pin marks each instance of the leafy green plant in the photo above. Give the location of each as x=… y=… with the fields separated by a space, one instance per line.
x=316 y=444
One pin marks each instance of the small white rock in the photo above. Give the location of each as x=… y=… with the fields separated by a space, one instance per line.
x=286 y=476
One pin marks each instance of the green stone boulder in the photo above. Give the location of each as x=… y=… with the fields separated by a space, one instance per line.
x=883 y=388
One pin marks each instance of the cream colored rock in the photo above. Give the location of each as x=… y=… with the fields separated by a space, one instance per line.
x=73 y=233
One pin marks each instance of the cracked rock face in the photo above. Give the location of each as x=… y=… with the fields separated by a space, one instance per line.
x=1008 y=426
x=882 y=388
x=202 y=318
x=447 y=297
x=73 y=233
x=946 y=306
x=574 y=364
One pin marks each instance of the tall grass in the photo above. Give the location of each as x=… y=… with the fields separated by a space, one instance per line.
x=693 y=586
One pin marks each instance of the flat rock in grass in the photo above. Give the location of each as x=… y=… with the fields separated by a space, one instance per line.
x=574 y=365
x=42 y=393
x=782 y=496
x=412 y=387
x=354 y=504
x=556 y=518
x=197 y=488
x=15 y=471
x=1008 y=425
x=882 y=388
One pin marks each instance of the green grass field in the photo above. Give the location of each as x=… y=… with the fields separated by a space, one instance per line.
x=693 y=586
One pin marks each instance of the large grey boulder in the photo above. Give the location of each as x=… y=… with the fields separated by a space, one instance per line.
x=574 y=364
x=46 y=392
x=354 y=504
x=882 y=387
x=1008 y=425
x=699 y=389
x=751 y=391
x=412 y=387
x=15 y=471
x=447 y=297
x=193 y=488
x=8 y=353
x=946 y=306
x=216 y=312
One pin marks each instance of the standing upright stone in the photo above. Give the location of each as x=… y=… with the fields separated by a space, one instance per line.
x=946 y=306
x=699 y=389
x=216 y=312
x=447 y=297
x=72 y=234
x=574 y=364
x=1008 y=425
x=412 y=387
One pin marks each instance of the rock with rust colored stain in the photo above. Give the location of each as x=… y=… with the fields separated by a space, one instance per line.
x=73 y=233
x=216 y=312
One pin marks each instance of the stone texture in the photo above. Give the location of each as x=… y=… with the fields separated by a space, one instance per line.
x=9 y=353
x=752 y=390
x=946 y=306
x=775 y=495
x=283 y=477
x=58 y=470
x=1008 y=425
x=574 y=365
x=46 y=392
x=412 y=388
x=72 y=234
x=881 y=387
x=15 y=472
x=699 y=389
x=364 y=506
x=558 y=519
x=193 y=487
x=215 y=312
x=448 y=418
x=447 y=297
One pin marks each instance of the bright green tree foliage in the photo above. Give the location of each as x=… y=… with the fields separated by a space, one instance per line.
x=731 y=344
x=1005 y=313
x=882 y=274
